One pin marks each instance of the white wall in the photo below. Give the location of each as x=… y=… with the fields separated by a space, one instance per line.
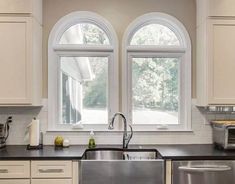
x=22 y=116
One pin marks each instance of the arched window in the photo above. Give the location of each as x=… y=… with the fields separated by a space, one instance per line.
x=82 y=72
x=157 y=73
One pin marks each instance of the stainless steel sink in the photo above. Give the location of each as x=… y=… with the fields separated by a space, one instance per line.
x=103 y=154
x=121 y=166
x=119 y=154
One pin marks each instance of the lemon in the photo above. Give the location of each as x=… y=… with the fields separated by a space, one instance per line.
x=59 y=141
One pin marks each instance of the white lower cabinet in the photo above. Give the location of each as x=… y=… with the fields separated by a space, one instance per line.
x=15 y=181
x=51 y=169
x=39 y=172
x=54 y=172
x=14 y=169
x=51 y=181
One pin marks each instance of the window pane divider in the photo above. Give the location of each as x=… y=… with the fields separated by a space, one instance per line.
x=155 y=49
x=83 y=48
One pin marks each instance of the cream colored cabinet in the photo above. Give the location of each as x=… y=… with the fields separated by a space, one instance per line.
x=15 y=6
x=39 y=172
x=14 y=172
x=214 y=8
x=20 y=66
x=222 y=8
x=216 y=62
x=51 y=181
x=215 y=59
x=16 y=181
x=21 y=58
x=14 y=169
x=221 y=57
x=51 y=169
x=30 y=7
x=54 y=172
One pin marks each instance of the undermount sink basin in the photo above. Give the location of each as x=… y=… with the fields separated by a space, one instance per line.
x=119 y=154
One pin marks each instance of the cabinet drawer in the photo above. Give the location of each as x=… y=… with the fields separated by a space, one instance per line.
x=51 y=169
x=51 y=181
x=14 y=169
x=16 y=181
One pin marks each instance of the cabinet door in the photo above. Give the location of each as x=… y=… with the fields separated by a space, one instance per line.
x=15 y=65
x=222 y=8
x=16 y=6
x=16 y=181
x=51 y=181
x=221 y=61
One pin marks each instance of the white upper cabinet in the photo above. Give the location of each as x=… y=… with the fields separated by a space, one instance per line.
x=32 y=7
x=215 y=54
x=214 y=8
x=15 y=60
x=21 y=58
x=221 y=58
x=222 y=8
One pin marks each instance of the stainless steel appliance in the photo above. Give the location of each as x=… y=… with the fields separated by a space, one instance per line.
x=117 y=166
x=4 y=132
x=203 y=172
x=224 y=134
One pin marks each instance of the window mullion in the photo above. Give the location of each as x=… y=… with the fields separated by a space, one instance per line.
x=83 y=48
x=155 y=49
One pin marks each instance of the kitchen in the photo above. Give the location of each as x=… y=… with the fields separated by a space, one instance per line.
x=29 y=80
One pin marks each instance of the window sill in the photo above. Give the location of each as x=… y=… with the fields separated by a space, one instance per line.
x=117 y=131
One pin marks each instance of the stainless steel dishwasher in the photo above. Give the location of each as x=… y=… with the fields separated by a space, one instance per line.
x=203 y=172
x=121 y=167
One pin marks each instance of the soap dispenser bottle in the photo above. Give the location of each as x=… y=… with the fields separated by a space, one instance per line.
x=91 y=143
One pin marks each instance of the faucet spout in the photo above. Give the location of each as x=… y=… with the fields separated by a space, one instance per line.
x=126 y=136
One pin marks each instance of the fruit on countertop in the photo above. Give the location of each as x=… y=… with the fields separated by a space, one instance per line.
x=66 y=143
x=59 y=141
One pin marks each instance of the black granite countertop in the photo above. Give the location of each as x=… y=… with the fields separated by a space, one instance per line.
x=13 y=152
x=194 y=152
x=174 y=152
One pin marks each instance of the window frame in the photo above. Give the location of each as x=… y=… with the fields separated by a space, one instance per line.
x=183 y=51
x=56 y=50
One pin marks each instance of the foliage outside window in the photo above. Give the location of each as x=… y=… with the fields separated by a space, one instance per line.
x=155 y=92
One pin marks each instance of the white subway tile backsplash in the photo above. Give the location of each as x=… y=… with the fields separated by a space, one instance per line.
x=201 y=133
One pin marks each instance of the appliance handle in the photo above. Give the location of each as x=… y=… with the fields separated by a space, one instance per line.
x=205 y=168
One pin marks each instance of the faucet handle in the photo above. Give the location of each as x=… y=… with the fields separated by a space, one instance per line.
x=110 y=127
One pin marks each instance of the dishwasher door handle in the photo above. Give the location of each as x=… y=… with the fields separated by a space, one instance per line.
x=205 y=168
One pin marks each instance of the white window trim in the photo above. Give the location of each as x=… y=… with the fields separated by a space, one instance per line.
x=183 y=51
x=55 y=51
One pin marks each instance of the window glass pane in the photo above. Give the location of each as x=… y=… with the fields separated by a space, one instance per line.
x=155 y=90
x=84 y=90
x=155 y=34
x=84 y=33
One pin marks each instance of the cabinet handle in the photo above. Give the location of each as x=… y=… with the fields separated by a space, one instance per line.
x=50 y=170
x=3 y=170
